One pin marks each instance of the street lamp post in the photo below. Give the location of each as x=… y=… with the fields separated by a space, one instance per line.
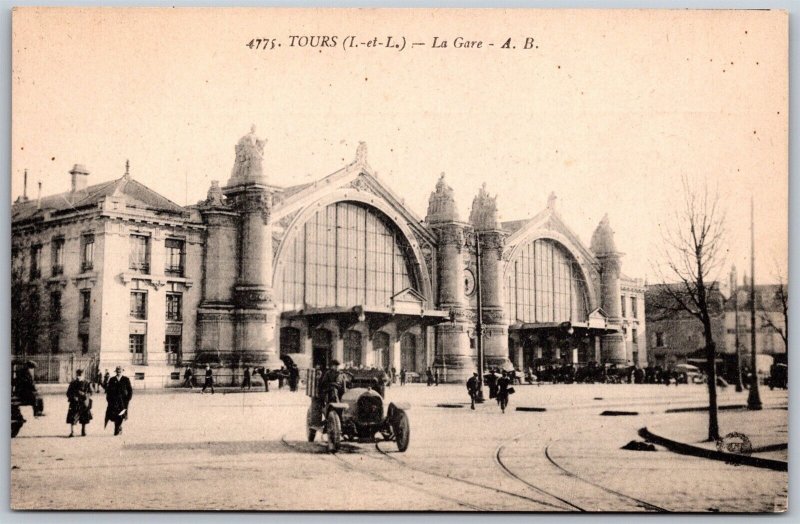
x=753 y=398
x=479 y=323
x=739 y=385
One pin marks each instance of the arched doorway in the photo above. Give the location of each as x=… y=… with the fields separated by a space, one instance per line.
x=290 y=340
x=380 y=343
x=408 y=352
x=352 y=348
x=322 y=347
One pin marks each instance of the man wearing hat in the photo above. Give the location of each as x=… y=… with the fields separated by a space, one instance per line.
x=118 y=395
x=331 y=385
x=472 y=388
x=79 y=395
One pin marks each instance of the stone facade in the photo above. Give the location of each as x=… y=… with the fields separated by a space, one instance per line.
x=339 y=268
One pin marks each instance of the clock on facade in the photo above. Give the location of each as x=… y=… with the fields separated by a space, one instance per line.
x=469 y=282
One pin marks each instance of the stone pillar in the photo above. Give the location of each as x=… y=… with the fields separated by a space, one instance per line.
x=483 y=218
x=452 y=340
x=255 y=312
x=453 y=356
x=495 y=323
x=613 y=345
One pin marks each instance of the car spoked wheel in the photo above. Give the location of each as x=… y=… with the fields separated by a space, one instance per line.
x=333 y=427
x=402 y=430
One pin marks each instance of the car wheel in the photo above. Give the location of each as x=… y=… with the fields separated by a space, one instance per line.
x=333 y=426
x=402 y=431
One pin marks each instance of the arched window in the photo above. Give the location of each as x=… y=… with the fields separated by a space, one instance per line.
x=346 y=254
x=544 y=284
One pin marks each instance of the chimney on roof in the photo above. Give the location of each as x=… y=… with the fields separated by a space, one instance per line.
x=25 y=186
x=39 y=197
x=80 y=176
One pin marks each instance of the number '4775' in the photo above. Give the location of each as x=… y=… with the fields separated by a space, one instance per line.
x=261 y=43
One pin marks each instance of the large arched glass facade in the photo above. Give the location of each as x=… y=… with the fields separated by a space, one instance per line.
x=346 y=254
x=544 y=283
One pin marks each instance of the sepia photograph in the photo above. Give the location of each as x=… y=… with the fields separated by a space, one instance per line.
x=399 y=260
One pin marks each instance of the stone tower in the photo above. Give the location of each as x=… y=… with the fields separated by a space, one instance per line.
x=238 y=311
x=604 y=248
x=483 y=218
x=452 y=340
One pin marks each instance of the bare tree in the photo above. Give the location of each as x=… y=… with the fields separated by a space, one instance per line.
x=693 y=255
x=780 y=300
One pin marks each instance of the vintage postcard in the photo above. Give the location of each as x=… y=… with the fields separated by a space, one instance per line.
x=399 y=260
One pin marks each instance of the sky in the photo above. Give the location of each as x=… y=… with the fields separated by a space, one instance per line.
x=608 y=109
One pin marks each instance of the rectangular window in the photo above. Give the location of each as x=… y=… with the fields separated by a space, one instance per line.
x=139 y=256
x=136 y=346
x=174 y=306
x=174 y=257
x=87 y=252
x=622 y=301
x=659 y=339
x=36 y=262
x=55 y=306
x=55 y=342
x=86 y=303
x=84 y=340
x=58 y=256
x=139 y=305
x=634 y=308
x=172 y=347
x=634 y=335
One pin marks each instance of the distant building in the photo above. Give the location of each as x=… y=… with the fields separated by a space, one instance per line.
x=677 y=337
x=114 y=273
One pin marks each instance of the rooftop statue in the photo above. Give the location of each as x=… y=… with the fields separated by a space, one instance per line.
x=248 y=166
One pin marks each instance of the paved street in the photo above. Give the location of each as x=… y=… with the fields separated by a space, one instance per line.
x=182 y=450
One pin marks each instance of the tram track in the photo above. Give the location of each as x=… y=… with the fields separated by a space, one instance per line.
x=642 y=503
x=404 y=464
x=349 y=466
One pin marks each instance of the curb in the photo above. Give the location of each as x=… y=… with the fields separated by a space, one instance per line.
x=705 y=408
x=688 y=449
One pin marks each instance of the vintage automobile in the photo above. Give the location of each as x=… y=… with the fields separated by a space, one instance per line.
x=359 y=415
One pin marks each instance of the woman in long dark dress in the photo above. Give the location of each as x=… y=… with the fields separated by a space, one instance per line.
x=79 y=395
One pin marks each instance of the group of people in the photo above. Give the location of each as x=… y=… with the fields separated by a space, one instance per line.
x=291 y=376
x=79 y=395
x=500 y=385
x=432 y=376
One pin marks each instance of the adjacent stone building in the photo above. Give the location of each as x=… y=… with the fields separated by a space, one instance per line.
x=340 y=268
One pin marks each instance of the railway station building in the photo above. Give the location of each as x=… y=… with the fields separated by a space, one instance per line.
x=116 y=274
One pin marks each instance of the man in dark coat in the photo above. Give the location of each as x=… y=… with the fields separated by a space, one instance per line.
x=294 y=377
x=118 y=394
x=429 y=374
x=402 y=376
x=491 y=381
x=246 y=378
x=209 y=383
x=106 y=376
x=25 y=389
x=188 y=377
x=472 y=389
x=79 y=395
x=332 y=383
x=503 y=385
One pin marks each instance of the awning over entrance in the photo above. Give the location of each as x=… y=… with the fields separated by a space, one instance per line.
x=376 y=317
x=578 y=328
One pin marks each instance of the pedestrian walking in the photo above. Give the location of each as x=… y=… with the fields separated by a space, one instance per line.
x=97 y=379
x=504 y=389
x=118 y=395
x=402 y=376
x=294 y=377
x=491 y=381
x=79 y=395
x=394 y=375
x=25 y=389
x=246 y=378
x=188 y=377
x=436 y=377
x=429 y=375
x=472 y=389
x=106 y=377
x=281 y=377
x=209 y=382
